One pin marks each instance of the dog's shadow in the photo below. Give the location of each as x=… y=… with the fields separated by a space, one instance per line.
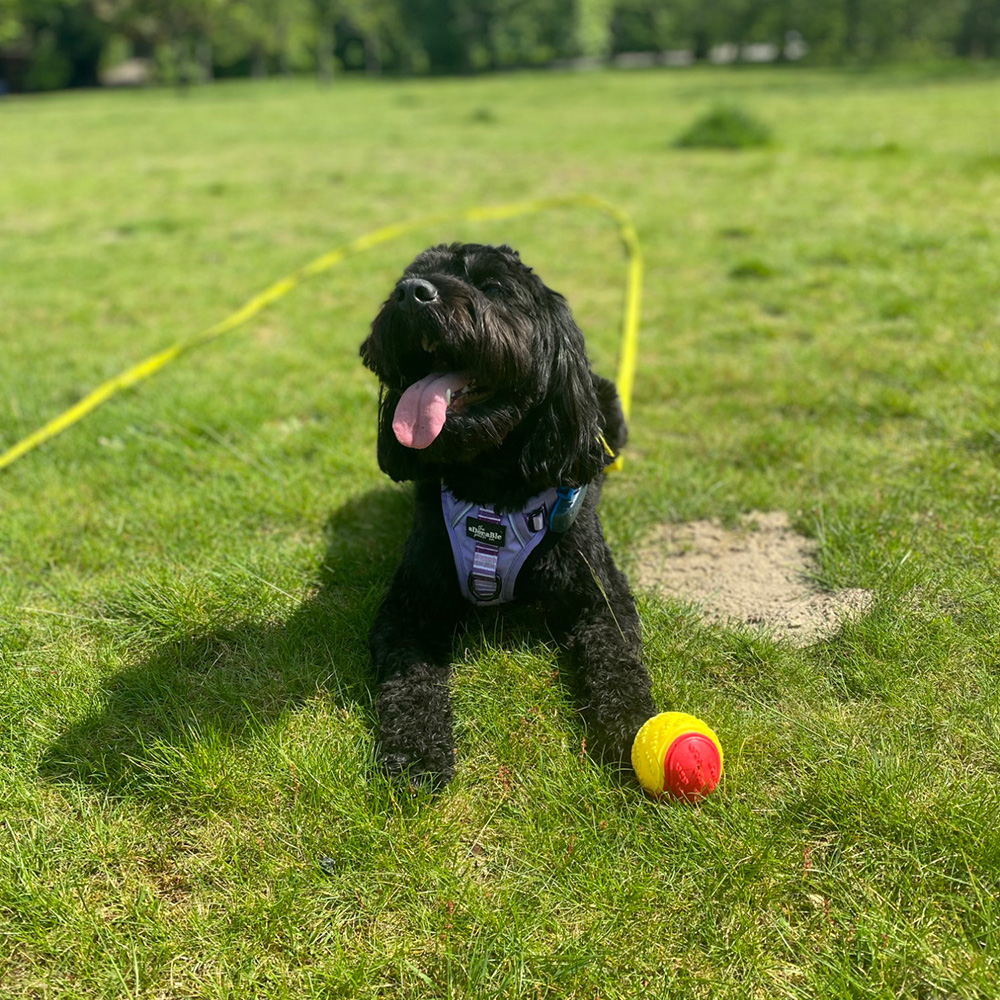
x=233 y=679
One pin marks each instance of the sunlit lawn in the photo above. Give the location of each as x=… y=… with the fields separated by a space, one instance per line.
x=188 y=576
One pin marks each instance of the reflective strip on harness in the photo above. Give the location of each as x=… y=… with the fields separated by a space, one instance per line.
x=490 y=548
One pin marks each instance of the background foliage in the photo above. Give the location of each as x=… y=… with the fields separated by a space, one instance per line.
x=47 y=44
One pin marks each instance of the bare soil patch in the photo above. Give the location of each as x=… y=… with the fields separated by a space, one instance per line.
x=759 y=574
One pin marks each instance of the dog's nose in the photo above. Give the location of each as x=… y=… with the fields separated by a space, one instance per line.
x=415 y=292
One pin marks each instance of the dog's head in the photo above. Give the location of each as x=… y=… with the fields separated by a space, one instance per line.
x=480 y=362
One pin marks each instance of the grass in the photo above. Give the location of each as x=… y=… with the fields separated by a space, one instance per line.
x=725 y=127
x=187 y=577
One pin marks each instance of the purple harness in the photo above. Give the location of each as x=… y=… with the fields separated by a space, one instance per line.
x=490 y=548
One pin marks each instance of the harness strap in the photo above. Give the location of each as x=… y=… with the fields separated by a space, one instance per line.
x=484 y=583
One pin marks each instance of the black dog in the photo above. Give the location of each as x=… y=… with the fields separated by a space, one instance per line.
x=489 y=404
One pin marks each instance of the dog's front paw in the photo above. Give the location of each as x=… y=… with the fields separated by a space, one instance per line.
x=416 y=772
x=416 y=745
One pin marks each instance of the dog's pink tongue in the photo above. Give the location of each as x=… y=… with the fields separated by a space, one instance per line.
x=423 y=407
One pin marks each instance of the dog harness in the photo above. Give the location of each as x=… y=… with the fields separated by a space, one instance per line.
x=490 y=548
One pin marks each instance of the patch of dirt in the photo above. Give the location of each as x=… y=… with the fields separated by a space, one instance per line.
x=759 y=574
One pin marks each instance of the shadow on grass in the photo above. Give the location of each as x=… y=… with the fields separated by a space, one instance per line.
x=222 y=684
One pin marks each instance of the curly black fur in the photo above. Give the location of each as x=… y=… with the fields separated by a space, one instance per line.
x=535 y=422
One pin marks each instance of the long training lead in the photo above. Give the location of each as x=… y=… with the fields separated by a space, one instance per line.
x=149 y=366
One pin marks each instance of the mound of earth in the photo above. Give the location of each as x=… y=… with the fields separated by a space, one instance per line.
x=760 y=574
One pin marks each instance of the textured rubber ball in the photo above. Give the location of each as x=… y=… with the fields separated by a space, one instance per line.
x=677 y=754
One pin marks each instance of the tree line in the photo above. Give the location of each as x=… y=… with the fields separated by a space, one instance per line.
x=49 y=44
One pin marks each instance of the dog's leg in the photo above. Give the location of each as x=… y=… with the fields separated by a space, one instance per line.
x=594 y=615
x=410 y=645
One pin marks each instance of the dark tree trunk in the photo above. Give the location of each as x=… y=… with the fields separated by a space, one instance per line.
x=373 y=55
x=258 y=65
x=324 y=54
x=205 y=65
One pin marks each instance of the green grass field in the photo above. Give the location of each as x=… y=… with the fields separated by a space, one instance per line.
x=187 y=577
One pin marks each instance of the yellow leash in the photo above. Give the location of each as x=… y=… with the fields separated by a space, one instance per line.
x=152 y=364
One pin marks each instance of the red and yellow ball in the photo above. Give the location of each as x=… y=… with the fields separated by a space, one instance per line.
x=678 y=755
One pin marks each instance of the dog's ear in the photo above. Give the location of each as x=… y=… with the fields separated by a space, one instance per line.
x=397 y=462
x=367 y=352
x=563 y=443
x=612 y=418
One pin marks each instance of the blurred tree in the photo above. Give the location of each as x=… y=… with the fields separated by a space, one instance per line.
x=46 y=44
x=325 y=13
x=262 y=35
x=592 y=27
x=644 y=25
x=978 y=33
x=529 y=34
x=178 y=33
x=378 y=30
x=435 y=29
x=11 y=22
x=54 y=43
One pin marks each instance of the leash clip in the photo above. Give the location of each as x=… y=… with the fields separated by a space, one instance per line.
x=477 y=594
x=569 y=502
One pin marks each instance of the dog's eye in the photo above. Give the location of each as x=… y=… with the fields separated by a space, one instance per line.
x=491 y=286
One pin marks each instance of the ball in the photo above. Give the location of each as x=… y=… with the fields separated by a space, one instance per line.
x=676 y=754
